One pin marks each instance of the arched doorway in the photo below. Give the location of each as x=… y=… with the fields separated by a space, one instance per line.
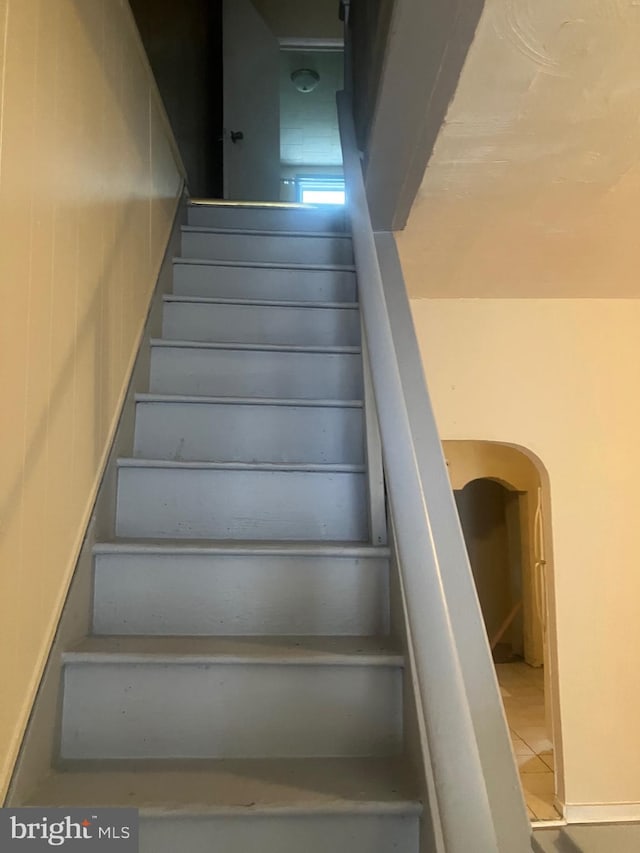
x=503 y=501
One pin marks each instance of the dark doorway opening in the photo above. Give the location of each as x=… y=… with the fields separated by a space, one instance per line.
x=183 y=40
x=490 y=519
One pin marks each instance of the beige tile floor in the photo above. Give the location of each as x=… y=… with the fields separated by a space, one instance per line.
x=522 y=689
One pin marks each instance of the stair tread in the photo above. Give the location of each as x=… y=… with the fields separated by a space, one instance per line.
x=248 y=401
x=261 y=303
x=215 y=546
x=305 y=650
x=316 y=467
x=274 y=265
x=299 y=206
x=163 y=342
x=234 y=785
x=261 y=232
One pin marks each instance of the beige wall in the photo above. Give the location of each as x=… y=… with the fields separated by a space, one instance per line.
x=521 y=259
x=561 y=377
x=89 y=183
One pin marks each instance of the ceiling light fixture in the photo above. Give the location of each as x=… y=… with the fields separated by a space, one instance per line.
x=305 y=79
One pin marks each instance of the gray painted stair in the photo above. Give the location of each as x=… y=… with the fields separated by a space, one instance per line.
x=233 y=279
x=255 y=370
x=239 y=685
x=261 y=322
x=363 y=805
x=267 y=246
x=203 y=589
x=267 y=218
x=378 y=829
x=256 y=697
x=218 y=500
x=183 y=428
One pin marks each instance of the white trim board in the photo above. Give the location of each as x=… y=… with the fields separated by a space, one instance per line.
x=601 y=812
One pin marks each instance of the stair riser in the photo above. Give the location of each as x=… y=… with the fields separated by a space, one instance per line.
x=238 y=504
x=237 y=282
x=280 y=595
x=221 y=432
x=220 y=323
x=266 y=248
x=206 y=216
x=254 y=373
x=234 y=710
x=319 y=833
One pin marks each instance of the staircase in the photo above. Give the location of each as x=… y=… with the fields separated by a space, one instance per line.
x=242 y=686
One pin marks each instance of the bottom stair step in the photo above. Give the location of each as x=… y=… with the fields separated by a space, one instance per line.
x=342 y=832
x=252 y=806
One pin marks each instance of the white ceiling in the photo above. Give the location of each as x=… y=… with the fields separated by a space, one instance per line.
x=533 y=188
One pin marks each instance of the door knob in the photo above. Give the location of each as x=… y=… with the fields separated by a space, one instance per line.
x=236 y=135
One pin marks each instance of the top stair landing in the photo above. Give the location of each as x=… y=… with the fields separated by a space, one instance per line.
x=271 y=217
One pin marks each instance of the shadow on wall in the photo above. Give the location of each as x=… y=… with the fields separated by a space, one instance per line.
x=183 y=41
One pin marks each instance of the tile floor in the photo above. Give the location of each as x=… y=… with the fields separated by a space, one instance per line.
x=522 y=689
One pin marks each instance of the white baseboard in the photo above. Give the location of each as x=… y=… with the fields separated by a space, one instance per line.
x=601 y=812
